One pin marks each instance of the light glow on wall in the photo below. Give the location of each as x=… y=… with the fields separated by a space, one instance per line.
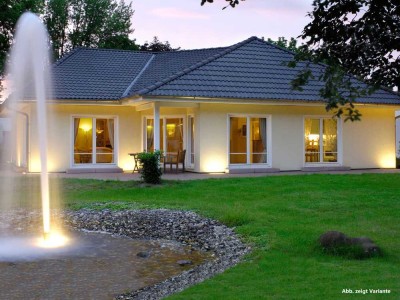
x=35 y=165
x=126 y=163
x=387 y=160
x=214 y=164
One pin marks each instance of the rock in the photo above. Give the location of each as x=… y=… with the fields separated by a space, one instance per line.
x=332 y=239
x=184 y=262
x=339 y=243
x=368 y=246
x=184 y=227
x=143 y=254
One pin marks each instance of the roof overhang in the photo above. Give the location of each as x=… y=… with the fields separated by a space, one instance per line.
x=140 y=100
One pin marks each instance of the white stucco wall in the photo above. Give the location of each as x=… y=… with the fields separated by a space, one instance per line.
x=366 y=144
x=60 y=134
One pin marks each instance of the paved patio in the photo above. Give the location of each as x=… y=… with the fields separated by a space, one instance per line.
x=196 y=176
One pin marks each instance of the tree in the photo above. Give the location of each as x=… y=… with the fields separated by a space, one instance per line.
x=231 y=3
x=284 y=43
x=157 y=46
x=353 y=38
x=89 y=23
x=10 y=11
x=57 y=20
x=358 y=37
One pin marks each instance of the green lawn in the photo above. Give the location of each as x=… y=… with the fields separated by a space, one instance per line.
x=282 y=217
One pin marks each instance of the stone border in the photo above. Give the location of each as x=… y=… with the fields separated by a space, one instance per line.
x=183 y=226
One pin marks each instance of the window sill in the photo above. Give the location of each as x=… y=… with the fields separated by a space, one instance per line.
x=324 y=167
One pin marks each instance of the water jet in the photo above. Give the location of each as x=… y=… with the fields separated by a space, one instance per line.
x=46 y=263
x=29 y=74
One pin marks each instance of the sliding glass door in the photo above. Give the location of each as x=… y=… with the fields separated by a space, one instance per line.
x=320 y=140
x=248 y=140
x=171 y=135
x=93 y=140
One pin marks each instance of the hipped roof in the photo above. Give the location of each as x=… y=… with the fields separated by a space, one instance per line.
x=251 y=69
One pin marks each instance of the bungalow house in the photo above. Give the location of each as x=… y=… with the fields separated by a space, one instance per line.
x=231 y=108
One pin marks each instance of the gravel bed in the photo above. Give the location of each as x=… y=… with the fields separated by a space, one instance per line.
x=182 y=226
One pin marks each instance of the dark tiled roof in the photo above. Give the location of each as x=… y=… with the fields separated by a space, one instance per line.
x=252 y=69
x=166 y=64
x=96 y=74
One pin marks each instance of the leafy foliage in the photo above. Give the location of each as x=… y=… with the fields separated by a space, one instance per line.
x=151 y=170
x=284 y=43
x=354 y=39
x=231 y=3
x=10 y=11
x=358 y=37
x=157 y=46
x=89 y=23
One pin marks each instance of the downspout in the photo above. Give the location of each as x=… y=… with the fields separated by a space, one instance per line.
x=27 y=135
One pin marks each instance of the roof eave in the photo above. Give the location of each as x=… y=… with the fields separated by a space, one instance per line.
x=277 y=101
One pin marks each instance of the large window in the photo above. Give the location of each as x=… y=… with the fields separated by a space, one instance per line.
x=248 y=140
x=321 y=140
x=171 y=135
x=94 y=141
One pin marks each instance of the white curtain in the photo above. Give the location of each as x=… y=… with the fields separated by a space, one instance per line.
x=150 y=135
x=110 y=127
x=263 y=136
x=76 y=128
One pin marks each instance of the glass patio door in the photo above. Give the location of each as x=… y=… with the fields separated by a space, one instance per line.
x=248 y=140
x=171 y=135
x=94 y=141
x=320 y=144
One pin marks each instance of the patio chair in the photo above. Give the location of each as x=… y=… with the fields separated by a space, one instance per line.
x=174 y=159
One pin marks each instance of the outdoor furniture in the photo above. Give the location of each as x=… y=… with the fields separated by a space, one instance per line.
x=137 y=166
x=174 y=159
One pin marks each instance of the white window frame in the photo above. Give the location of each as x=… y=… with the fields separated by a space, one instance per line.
x=339 y=142
x=116 y=141
x=189 y=142
x=164 y=117
x=247 y=165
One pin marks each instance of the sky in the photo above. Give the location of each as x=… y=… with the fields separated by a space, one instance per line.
x=187 y=24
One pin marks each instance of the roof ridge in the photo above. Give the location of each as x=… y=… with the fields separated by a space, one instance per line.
x=126 y=92
x=383 y=88
x=67 y=56
x=184 y=50
x=195 y=66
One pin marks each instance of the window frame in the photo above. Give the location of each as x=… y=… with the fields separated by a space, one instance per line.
x=164 y=118
x=116 y=141
x=247 y=165
x=339 y=133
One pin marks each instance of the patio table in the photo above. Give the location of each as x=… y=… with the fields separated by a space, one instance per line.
x=137 y=166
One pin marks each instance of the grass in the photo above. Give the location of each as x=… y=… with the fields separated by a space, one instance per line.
x=282 y=218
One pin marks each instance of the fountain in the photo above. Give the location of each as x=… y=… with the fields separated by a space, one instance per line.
x=141 y=251
x=29 y=69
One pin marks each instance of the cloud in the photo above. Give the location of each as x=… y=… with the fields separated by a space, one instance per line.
x=176 y=13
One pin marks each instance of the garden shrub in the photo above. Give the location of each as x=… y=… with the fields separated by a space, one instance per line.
x=151 y=170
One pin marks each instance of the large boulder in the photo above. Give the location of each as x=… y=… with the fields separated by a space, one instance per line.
x=338 y=243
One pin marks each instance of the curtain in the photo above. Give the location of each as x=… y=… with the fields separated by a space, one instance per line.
x=110 y=127
x=150 y=135
x=330 y=135
x=76 y=128
x=263 y=136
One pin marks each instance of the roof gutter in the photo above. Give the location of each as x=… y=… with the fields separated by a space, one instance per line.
x=294 y=102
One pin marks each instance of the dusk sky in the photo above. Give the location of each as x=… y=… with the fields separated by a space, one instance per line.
x=186 y=24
